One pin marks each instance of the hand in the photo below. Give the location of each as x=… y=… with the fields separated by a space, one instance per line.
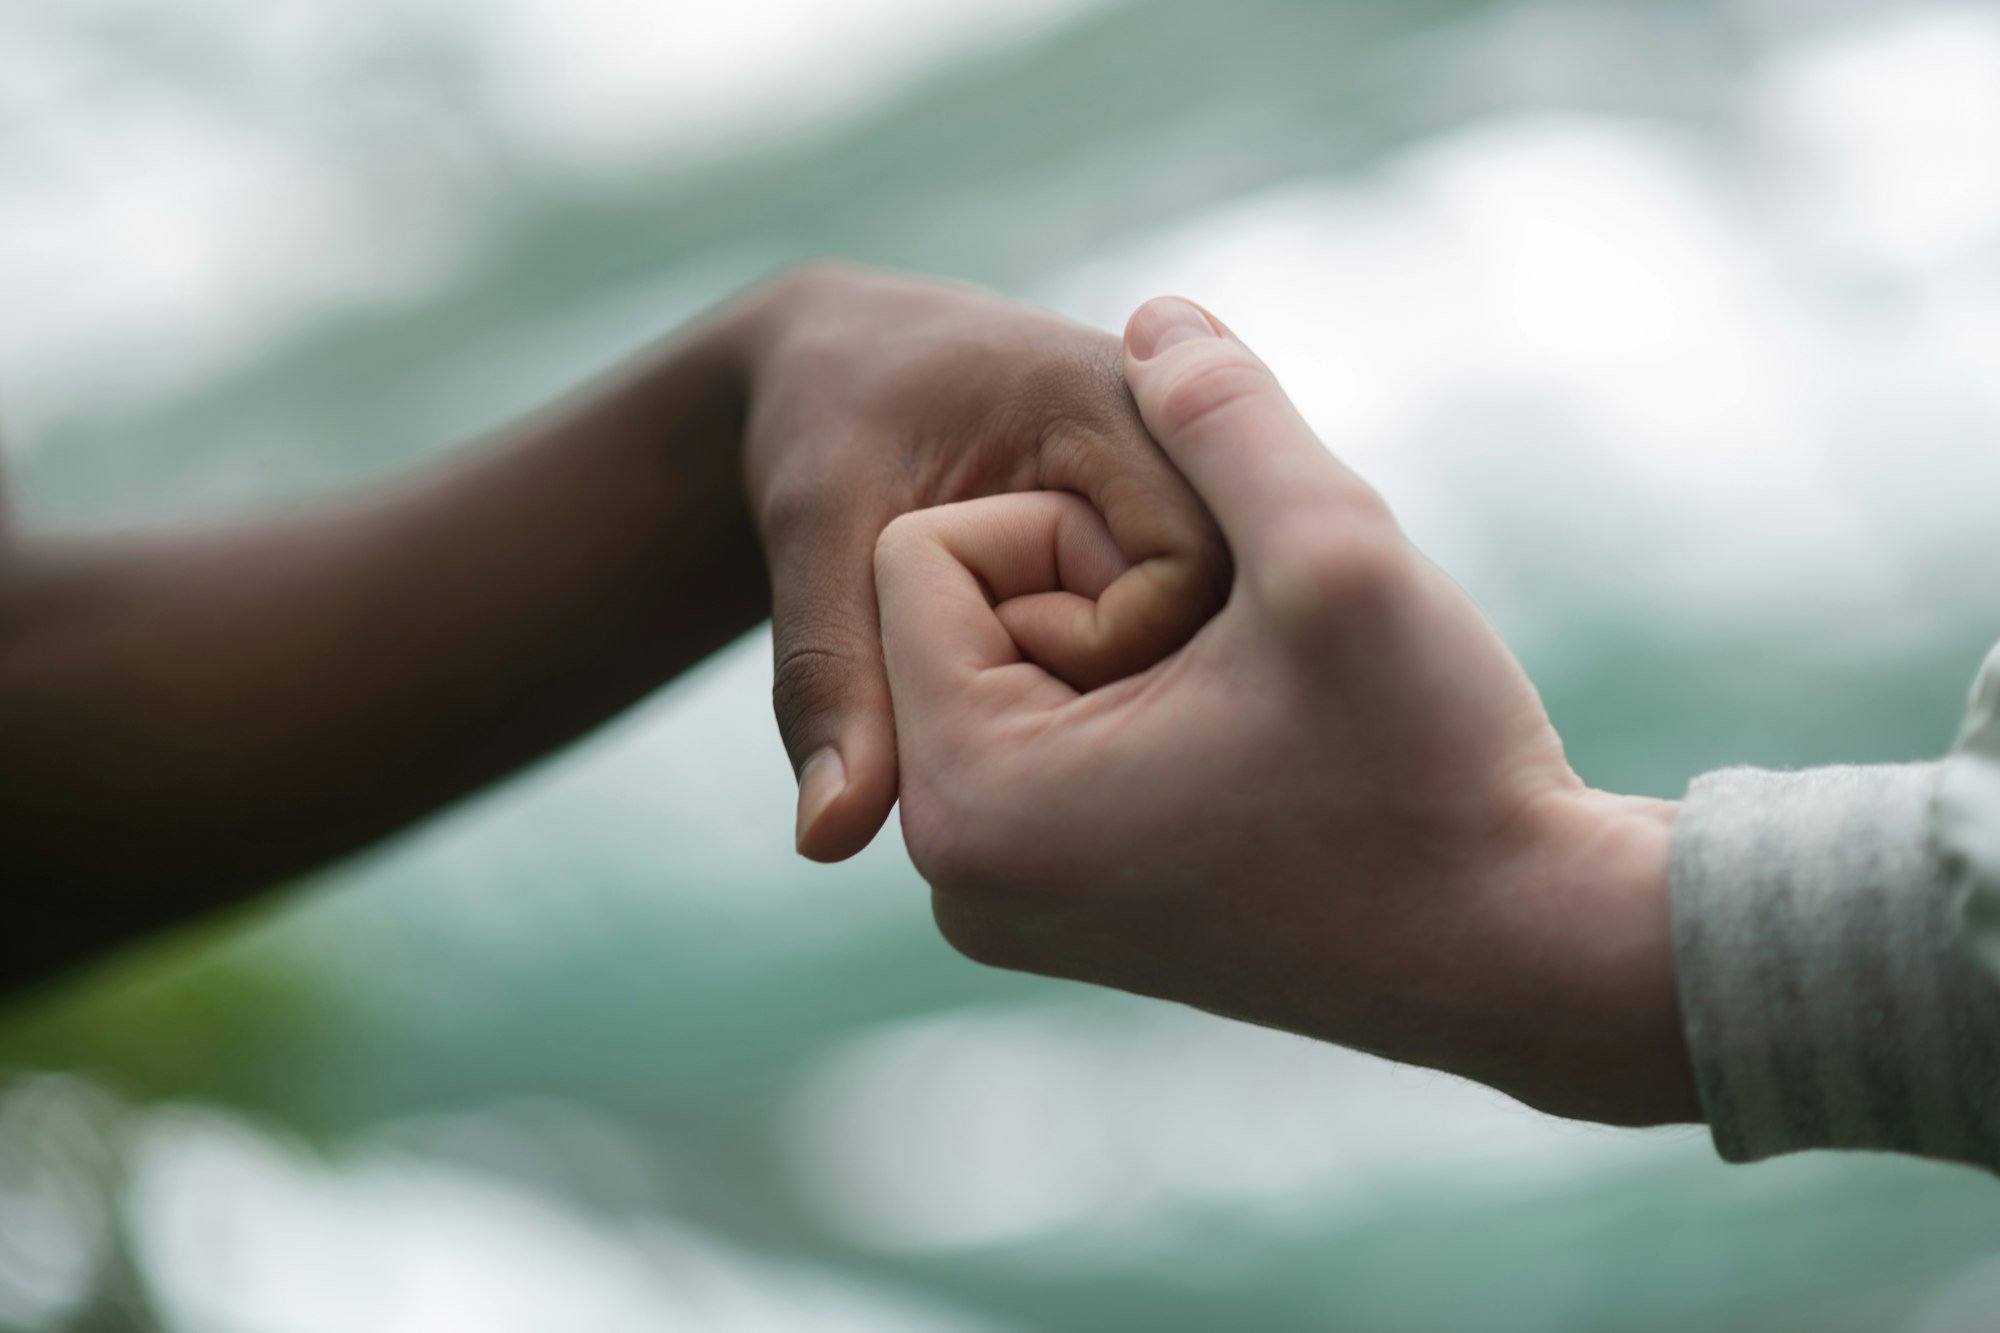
x=872 y=395
x=1340 y=809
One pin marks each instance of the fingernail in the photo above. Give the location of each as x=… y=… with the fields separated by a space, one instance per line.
x=1164 y=322
x=822 y=779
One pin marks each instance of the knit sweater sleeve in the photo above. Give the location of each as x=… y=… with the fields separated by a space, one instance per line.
x=1837 y=950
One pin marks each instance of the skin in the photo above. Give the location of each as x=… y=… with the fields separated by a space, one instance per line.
x=190 y=715
x=1340 y=809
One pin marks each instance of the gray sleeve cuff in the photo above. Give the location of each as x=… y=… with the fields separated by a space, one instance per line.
x=1827 y=997
x=1966 y=819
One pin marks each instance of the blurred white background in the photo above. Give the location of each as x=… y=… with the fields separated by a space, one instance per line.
x=1672 y=330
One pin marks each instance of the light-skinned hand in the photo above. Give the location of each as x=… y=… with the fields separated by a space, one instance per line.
x=1340 y=809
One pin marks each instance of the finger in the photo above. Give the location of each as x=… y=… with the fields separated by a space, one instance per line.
x=1061 y=632
x=1221 y=416
x=828 y=687
x=1177 y=570
x=1072 y=629
x=942 y=578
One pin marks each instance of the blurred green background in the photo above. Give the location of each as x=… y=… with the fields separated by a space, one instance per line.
x=1672 y=329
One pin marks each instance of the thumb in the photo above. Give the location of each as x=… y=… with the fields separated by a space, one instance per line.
x=828 y=688
x=1221 y=416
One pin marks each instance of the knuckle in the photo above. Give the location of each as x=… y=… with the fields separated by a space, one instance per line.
x=1078 y=384
x=1209 y=386
x=1205 y=573
x=1332 y=570
x=814 y=277
x=793 y=505
x=901 y=546
x=805 y=684
x=900 y=537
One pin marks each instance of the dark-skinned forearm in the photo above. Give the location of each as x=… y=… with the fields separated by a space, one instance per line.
x=189 y=716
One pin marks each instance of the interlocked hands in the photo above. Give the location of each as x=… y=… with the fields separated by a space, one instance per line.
x=1340 y=809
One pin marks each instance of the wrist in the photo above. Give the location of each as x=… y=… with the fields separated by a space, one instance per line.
x=747 y=342
x=1599 y=1034
x=675 y=423
x=748 y=331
